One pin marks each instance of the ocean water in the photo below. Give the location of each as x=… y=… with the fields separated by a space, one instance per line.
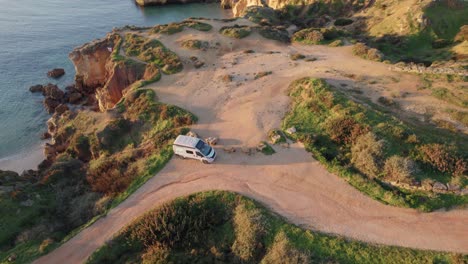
x=36 y=36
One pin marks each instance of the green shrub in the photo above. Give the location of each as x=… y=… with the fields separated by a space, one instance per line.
x=168 y=29
x=443 y=159
x=400 y=169
x=194 y=44
x=156 y=254
x=200 y=26
x=363 y=51
x=183 y=222
x=235 y=31
x=462 y=35
x=374 y=54
x=314 y=37
x=297 y=56
x=317 y=35
x=441 y=43
x=261 y=15
x=336 y=43
x=249 y=228
x=283 y=252
x=280 y=35
x=360 y=49
x=282 y=242
x=152 y=51
x=343 y=21
x=344 y=129
x=367 y=154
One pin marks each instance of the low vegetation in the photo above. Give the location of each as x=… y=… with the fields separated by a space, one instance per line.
x=376 y=152
x=152 y=51
x=194 y=44
x=223 y=227
x=297 y=56
x=100 y=164
x=259 y=75
x=315 y=36
x=236 y=31
x=428 y=42
x=363 y=51
x=275 y=33
x=172 y=28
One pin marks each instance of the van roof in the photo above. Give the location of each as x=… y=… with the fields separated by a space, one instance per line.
x=186 y=141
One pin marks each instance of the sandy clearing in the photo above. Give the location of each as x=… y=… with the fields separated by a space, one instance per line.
x=289 y=182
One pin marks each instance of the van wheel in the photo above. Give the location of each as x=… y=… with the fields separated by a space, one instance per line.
x=205 y=162
x=180 y=156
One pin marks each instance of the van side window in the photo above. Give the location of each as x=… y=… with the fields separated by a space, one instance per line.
x=199 y=154
x=189 y=152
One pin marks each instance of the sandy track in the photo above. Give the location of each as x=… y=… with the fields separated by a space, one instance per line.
x=297 y=188
x=289 y=182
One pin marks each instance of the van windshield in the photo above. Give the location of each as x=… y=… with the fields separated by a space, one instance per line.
x=203 y=147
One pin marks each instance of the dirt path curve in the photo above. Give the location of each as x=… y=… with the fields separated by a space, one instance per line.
x=289 y=182
x=297 y=188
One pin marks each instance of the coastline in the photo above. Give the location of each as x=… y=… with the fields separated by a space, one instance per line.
x=26 y=160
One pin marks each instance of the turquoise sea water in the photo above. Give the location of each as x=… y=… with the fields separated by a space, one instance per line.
x=36 y=36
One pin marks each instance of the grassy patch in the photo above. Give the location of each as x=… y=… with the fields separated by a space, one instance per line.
x=430 y=43
x=236 y=31
x=173 y=28
x=460 y=116
x=152 y=51
x=268 y=150
x=280 y=35
x=104 y=163
x=330 y=126
x=317 y=36
x=194 y=44
x=224 y=227
x=200 y=26
x=448 y=96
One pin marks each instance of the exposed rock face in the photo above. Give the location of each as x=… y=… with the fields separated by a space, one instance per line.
x=90 y=64
x=56 y=73
x=52 y=91
x=120 y=76
x=99 y=76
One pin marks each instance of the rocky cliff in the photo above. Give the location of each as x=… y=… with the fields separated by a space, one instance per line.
x=99 y=74
x=90 y=63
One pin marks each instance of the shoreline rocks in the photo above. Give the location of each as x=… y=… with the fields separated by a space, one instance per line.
x=56 y=73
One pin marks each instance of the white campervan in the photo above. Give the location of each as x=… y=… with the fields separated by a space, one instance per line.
x=193 y=148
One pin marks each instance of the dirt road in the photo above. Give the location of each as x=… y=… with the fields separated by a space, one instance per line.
x=289 y=182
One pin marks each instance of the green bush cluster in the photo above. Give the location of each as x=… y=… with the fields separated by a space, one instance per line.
x=152 y=51
x=236 y=31
x=101 y=166
x=363 y=51
x=342 y=21
x=274 y=33
x=194 y=44
x=223 y=227
x=173 y=28
x=317 y=35
x=349 y=137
